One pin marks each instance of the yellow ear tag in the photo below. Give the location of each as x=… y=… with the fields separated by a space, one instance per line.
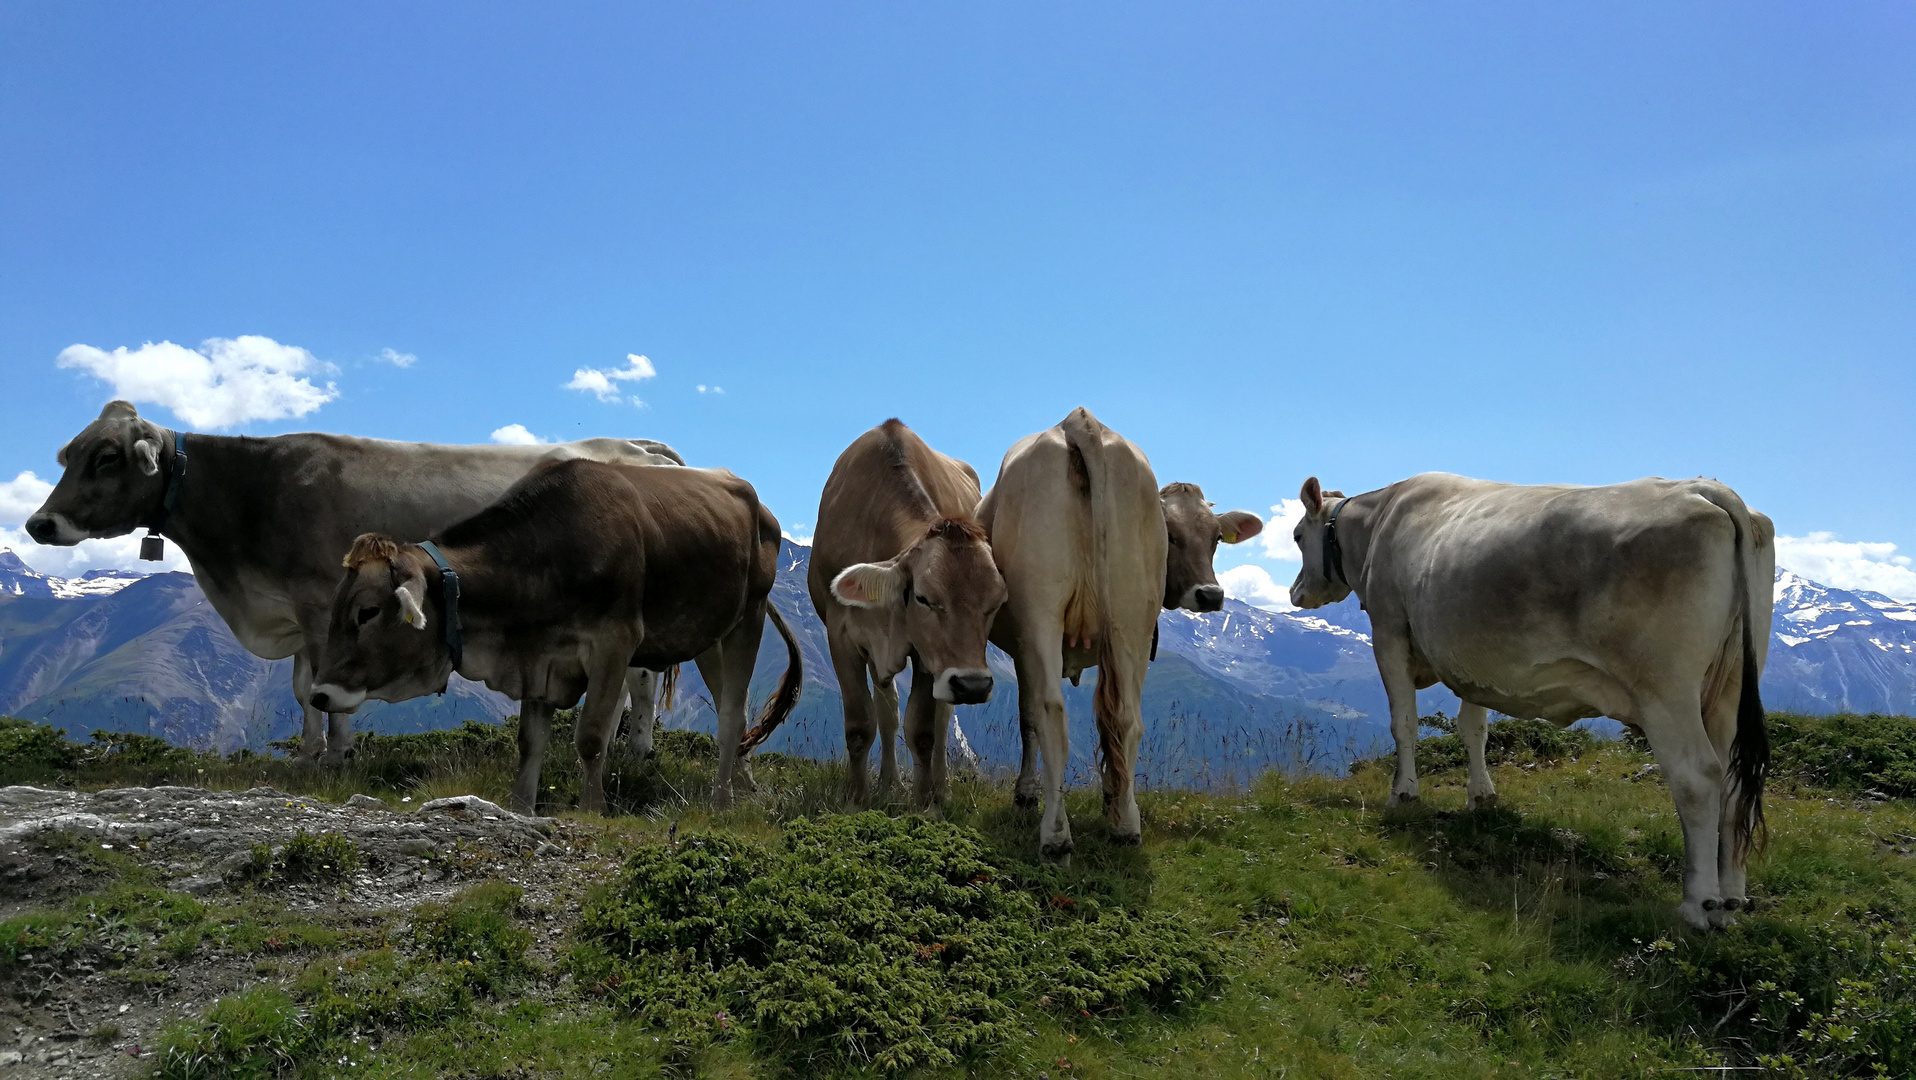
x=1230 y=537
x=406 y=617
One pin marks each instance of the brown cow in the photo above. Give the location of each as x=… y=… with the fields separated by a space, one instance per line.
x=581 y=570
x=900 y=570
x=1193 y=531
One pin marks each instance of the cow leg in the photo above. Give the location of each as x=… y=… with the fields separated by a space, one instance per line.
x=1393 y=664
x=596 y=722
x=1732 y=873
x=1474 y=730
x=1121 y=769
x=1695 y=775
x=1040 y=664
x=856 y=694
x=926 y=719
x=885 y=711
x=535 y=730
x=642 y=685
x=312 y=735
x=1030 y=784
x=731 y=662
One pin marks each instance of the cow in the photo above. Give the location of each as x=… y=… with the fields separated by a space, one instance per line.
x=901 y=570
x=262 y=521
x=1077 y=530
x=1192 y=533
x=1647 y=602
x=581 y=569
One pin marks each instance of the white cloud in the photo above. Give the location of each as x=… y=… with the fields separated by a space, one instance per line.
x=397 y=358
x=226 y=381
x=517 y=435
x=1276 y=537
x=704 y=389
x=1858 y=565
x=604 y=384
x=119 y=553
x=21 y=496
x=803 y=538
x=1253 y=585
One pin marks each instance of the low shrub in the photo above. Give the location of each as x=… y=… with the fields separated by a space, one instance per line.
x=1508 y=741
x=308 y=858
x=33 y=752
x=1847 y=752
x=865 y=940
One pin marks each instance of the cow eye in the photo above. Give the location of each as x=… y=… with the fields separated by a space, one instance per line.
x=367 y=614
x=107 y=462
x=921 y=598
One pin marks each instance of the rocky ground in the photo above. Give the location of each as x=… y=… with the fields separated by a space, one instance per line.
x=95 y=1008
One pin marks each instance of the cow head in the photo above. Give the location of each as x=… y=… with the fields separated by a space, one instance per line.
x=946 y=590
x=1189 y=580
x=112 y=480
x=378 y=641
x=1316 y=585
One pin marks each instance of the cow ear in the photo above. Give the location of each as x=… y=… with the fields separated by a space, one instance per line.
x=870 y=585
x=1313 y=495
x=1239 y=525
x=1333 y=494
x=147 y=453
x=117 y=408
x=409 y=594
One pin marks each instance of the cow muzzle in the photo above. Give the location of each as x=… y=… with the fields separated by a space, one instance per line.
x=54 y=529
x=331 y=698
x=963 y=686
x=1203 y=598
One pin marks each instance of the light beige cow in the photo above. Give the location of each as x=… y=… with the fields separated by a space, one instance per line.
x=1647 y=602
x=1077 y=530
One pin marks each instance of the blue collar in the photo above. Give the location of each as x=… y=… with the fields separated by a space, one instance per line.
x=449 y=581
x=152 y=548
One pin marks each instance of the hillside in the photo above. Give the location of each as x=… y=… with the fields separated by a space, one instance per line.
x=1291 y=929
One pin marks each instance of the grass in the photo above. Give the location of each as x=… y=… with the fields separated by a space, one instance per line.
x=1537 y=938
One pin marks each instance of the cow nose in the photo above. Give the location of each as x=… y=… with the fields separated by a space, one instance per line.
x=1208 y=597
x=319 y=700
x=41 y=528
x=971 y=688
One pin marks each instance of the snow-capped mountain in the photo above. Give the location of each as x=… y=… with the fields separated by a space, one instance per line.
x=1837 y=651
x=1231 y=691
x=19 y=579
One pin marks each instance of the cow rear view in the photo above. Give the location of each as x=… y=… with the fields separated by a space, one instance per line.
x=1647 y=602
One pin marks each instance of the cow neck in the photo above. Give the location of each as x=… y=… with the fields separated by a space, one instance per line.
x=1347 y=542
x=152 y=548
x=196 y=511
x=455 y=631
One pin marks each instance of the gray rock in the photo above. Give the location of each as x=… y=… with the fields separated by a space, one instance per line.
x=365 y=802
x=472 y=806
x=200 y=885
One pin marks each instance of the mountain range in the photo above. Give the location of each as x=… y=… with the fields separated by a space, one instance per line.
x=1231 y=693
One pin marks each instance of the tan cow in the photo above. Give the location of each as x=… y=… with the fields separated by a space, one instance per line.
x=901 y=571
x=1077 y=529
x=1648 y=602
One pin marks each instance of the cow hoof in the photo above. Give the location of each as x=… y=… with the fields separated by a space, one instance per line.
x=1734 y=903
x=1481 y=802
x=1024 y=801
x=1693 y=913
x=1127 y=840
x=1398 y=798
x=1712 y=904
x=333 y=759
x=1059 y=852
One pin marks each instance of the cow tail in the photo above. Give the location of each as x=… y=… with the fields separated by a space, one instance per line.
x=781 y=704
x=1750 y=749
x=1083 y=434
x=668 y=688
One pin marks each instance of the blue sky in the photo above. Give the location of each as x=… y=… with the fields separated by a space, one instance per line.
x=1534 y=243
